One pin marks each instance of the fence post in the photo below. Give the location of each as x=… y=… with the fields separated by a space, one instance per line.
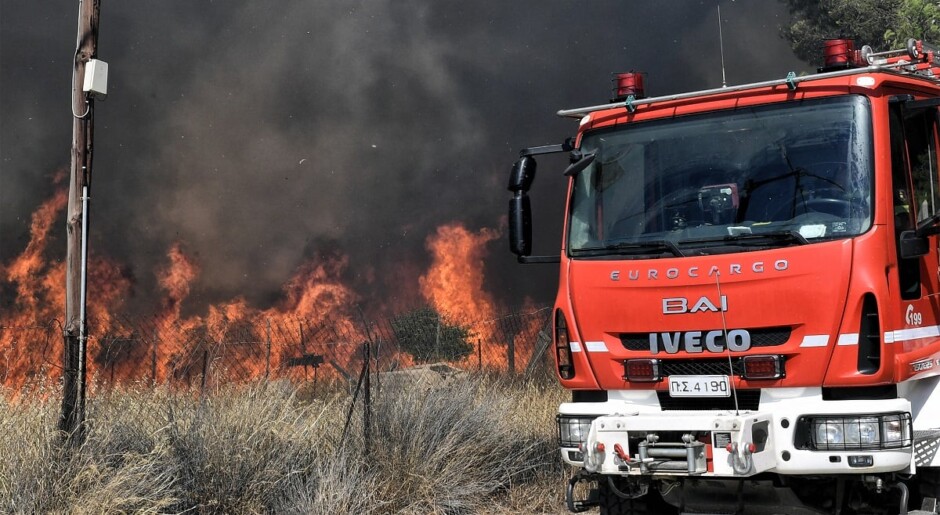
x=267 y=358
x=479 y=354
x=367 y=398
x=303 y=346
x=511 y=355
x=153 y=359
x=437 y=339
x=205 y=370
x=542 y=342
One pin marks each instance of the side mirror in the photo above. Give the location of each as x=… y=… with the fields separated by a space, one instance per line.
x=522 y=175
x=520 y=212
x=520 y=225
x=912 y=245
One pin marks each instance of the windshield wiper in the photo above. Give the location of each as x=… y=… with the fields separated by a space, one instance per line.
x=780 y=236
x=787 y=236
x=632 y=248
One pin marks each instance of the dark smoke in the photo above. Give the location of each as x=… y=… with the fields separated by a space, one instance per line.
x=258 y=133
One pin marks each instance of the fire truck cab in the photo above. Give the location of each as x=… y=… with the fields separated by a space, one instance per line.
x=748 y=311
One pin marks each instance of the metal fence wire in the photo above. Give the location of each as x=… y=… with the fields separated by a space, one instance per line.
x=136 y=350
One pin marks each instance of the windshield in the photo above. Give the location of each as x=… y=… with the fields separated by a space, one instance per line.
x=728 y=181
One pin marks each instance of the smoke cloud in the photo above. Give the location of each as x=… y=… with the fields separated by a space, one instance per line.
x=260 y=135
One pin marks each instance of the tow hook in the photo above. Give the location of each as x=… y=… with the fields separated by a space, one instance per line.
x=581 y=505
x=621 y=453
x=741 y=457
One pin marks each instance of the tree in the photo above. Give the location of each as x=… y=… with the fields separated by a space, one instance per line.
x=918 y=19
x=865 y=21
x=882 y=24
x=425 y=335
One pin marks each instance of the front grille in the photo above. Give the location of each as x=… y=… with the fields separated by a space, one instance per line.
x=763 y=337
x=700 y=367
x=747 y=400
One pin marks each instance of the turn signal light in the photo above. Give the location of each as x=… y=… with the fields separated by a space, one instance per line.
x=642 y=370
x=764 y=367
x=563 y=347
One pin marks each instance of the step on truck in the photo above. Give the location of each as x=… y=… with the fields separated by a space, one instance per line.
x=748 y=311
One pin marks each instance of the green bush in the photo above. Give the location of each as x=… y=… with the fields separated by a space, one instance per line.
x=425 y=335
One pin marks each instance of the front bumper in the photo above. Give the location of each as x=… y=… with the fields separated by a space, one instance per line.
x=626 y=437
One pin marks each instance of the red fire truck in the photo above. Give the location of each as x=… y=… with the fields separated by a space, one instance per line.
x=748 y=311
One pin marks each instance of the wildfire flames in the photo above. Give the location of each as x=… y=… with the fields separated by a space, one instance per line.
x=316 y=308
x=458 y=260
x=40 y=297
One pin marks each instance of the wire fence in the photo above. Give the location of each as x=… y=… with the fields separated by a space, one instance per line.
x=206 y=354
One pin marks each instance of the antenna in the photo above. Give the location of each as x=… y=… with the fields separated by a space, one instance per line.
x=721 y=46
x=724 y=328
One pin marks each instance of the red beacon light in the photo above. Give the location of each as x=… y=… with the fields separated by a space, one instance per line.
x=629 y=84
x=839 y=54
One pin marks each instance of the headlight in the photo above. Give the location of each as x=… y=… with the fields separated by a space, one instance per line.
x=852 y=432
x=829 y=431
x=896 y=430
x=573 y=430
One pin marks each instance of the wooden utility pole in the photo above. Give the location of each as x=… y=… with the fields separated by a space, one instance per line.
x=72 y=418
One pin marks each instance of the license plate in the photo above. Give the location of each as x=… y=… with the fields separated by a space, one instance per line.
x=699 y=386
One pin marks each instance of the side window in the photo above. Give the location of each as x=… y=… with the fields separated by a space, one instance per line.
x=915 y=189
x=920 y=131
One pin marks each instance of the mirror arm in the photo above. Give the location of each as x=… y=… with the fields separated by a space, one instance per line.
x=527 y=260
x=929 y=231
x=929 y=227
x=567 y=146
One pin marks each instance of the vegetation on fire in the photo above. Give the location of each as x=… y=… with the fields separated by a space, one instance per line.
x=483 y=444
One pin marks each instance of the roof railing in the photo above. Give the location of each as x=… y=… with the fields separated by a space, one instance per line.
x=918 y=58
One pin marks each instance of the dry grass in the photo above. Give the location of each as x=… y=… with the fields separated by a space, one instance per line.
x=482 y=444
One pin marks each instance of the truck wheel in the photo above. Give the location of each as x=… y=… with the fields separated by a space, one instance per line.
x=928 y=482
x=612 y=504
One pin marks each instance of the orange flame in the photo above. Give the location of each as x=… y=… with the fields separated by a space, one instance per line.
x=454 y=283
x=40 y=293
x=318 y=314
x=28 y=270
x=454 y=286
x=176 y=279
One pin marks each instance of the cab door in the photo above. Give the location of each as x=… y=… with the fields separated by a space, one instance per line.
x=916 y=198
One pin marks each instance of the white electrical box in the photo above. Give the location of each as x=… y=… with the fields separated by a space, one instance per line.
x=96 y=79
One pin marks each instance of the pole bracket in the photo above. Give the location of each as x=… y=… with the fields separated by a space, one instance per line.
x=629 y=104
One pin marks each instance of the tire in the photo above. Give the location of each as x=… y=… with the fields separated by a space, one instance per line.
x=928 y=483
x=612 y=504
